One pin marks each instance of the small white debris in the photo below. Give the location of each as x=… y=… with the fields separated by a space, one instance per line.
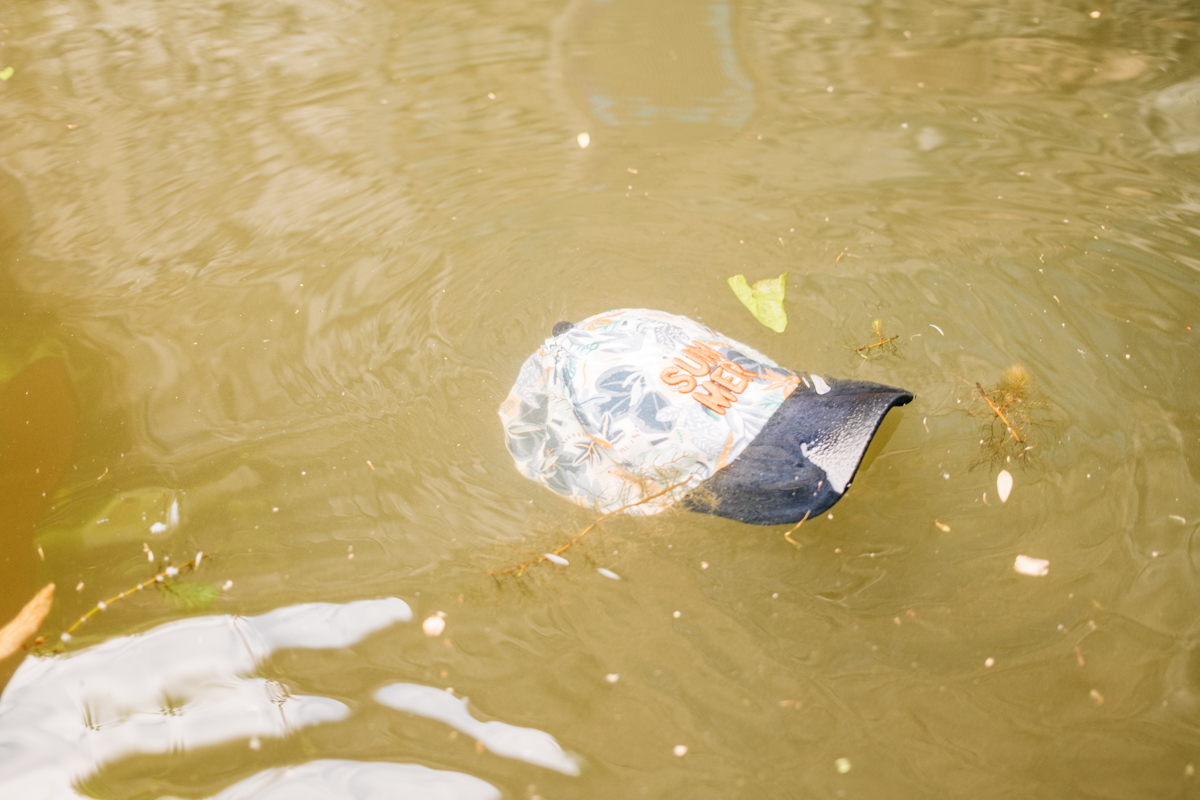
x=843 y=765
x=612 y=677
x=677 y=615
x=491 y=95
x=255 y=744
x=562 y=562
x=1004 y=484
x=608 y=574
x=103 y=606
x=173 y=514
x=1037 y=567
x=158 y=527
x=819 y=384
x=583 y=139
x=989 y=662
x=172 y=571
x=1177 y=518
x=681 y=750
x=197 y=559
x=227 y=586
x=936 y=328
x=66 y=637
x=150 y=555
x=433 y=626
x=703 y=565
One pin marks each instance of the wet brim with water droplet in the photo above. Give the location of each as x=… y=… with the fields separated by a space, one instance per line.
x=803 y=459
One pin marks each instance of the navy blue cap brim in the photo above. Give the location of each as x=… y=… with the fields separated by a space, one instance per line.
x=803 y=459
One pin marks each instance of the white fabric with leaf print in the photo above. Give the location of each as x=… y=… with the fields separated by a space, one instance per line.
x=630 y=402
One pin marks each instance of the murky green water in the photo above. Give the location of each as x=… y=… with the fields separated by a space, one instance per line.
x=280 y=263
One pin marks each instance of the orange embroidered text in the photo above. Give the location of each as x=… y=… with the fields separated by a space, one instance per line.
x=726 y=379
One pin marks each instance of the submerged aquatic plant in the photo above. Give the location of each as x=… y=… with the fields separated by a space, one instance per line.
x=189 y=596
x=1011 y=414
x=881 y=347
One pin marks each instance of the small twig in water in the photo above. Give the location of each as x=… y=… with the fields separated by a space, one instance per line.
x=865 y=353
x=520 y=568
x=792 y=530
x=1016 y=405
x=999 y=412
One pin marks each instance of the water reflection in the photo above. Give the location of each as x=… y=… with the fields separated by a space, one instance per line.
x=181 y=686
x=523 y=744
x=355 y=780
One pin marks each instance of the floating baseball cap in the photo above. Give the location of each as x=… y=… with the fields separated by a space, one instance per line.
x=614 y=410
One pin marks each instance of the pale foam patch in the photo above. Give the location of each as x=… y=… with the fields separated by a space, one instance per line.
x=523 y=744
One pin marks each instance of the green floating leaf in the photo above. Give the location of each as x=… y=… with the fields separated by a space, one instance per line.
x=764 y=299
x=190 y=596
x=6 y=73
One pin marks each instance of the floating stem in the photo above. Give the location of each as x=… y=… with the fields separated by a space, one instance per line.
x=159 y=578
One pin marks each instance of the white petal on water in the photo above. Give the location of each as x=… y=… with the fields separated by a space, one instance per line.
x=562 y=562
x=158 y=527
x=433 y=626
x=681 y=750
x=583 y=139
x=1026 y=565
x=612 y=677
x=936 y=328
x=821 y=386
x=522 y=744
x=329 y=779
x=1177 y=518
x=1004 y=485
x=173 y=515
x=609 y=574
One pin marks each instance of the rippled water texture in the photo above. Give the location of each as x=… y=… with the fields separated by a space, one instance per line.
x=276 y=265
